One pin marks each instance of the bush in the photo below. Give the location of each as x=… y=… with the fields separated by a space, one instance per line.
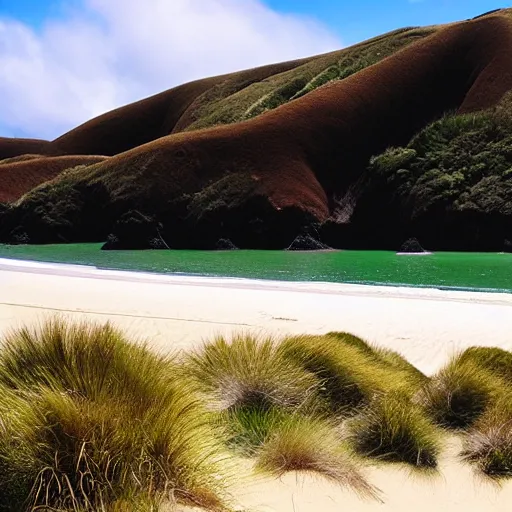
x=90 y=420
x=495 y=360
x=135 y=230
x=384 y=356
x=460 y=163
x=393 y=429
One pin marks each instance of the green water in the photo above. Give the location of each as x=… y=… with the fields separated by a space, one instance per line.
x=466 y=271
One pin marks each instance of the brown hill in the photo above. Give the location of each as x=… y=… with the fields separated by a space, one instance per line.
x=259 y=182
x=14 y=147
x=18 y=178
x=218 y=100
x=146 y=120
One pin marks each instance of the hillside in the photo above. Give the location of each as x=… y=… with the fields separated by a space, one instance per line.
x=261 y=156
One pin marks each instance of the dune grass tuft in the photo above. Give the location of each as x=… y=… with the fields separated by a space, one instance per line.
x=250 y=373
x=350 y=370
x=313 y=445
x=393 y=429
x=488 y=445
x=90 y=420
x=460 y=392
x=493 y=359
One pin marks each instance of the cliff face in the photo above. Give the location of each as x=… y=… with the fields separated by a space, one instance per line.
x=297 y=159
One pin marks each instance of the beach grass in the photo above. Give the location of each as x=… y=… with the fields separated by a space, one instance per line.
x=488 y=444
x=460 y=392
x=394 y=429
x=350 y=370
x=313 y=444
x=247 y=372
x=90 y=419
x=94 y=421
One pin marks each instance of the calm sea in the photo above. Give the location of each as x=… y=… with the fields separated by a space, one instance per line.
x=463 y=271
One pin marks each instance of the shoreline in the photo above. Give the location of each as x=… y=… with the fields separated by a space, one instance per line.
x=178 y=313
x=357 y=289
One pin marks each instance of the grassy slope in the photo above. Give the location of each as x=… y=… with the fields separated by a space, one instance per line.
x=221 y=105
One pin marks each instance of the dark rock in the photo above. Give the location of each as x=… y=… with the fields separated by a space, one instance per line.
x=19 y=237
x=134 y=230
x=306 y=243
x=411 y=245
x=158 y=243
x=224 y=244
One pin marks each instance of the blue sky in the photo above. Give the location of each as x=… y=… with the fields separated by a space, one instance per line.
x=357 y=20
x=63 y=62
x=354 y=21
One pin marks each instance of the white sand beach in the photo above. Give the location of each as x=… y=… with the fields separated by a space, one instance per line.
x=178 y=312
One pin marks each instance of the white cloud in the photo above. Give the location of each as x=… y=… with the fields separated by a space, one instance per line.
x=107 y=53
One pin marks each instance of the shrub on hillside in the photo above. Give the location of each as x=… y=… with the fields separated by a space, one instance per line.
x=135 y=230
x=461 y=162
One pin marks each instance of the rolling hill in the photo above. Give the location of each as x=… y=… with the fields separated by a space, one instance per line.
x=407 y=134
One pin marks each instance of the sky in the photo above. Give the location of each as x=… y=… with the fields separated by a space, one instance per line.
x=63 y=62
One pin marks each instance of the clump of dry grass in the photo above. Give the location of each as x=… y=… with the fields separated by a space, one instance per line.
x=393 y=429
x=493 y=359
x=90 y=420
x=248 y=372
x=351 y=371
x=312 y=444
x=488 y=444
x=459 y=393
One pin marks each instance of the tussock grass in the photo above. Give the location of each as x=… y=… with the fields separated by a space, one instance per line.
x=383 y=356
x=313 y=445
x=393 y=429
x=488 y=445
x=250 y=373
x=458 y=395
x=493 y=359
x=90 y=421
x=351 y=371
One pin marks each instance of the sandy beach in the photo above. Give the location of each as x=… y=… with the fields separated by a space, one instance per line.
x=178 y=312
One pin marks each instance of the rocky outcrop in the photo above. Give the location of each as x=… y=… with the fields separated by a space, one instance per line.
x=225 y=244
x=411 y=246
x=307 y=243
x=135 y=230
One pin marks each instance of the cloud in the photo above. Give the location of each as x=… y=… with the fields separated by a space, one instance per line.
x=101 y=54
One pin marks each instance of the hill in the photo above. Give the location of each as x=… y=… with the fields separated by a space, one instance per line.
x=261 y=156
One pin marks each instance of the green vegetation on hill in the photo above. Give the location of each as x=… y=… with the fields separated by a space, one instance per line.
x=228 y=106
x=459 y=167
